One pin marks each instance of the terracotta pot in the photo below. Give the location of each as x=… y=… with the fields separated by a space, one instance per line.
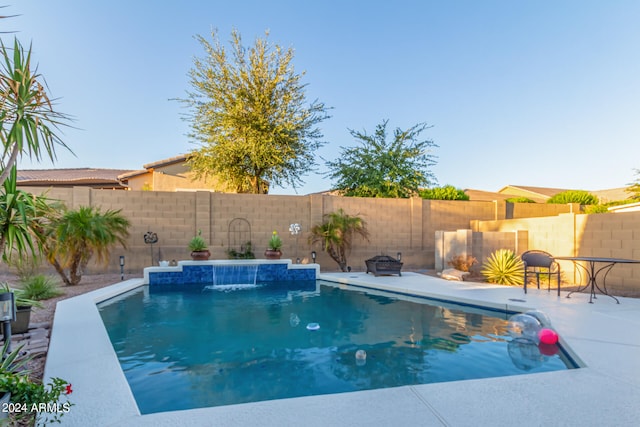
x=200 y=255
x=272 y=254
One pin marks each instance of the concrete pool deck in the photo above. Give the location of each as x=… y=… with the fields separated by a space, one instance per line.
x=604 y=337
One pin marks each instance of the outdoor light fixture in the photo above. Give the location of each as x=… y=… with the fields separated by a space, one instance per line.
x=399 y=256
x=313 y=256
x=121 y=267
x=7 y=315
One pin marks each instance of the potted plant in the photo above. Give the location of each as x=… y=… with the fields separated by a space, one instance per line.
x=18 y=387
x=275 y=244
x=198 y=248
x=23 y=309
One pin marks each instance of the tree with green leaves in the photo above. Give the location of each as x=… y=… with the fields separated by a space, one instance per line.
x=574 y=196
x=248 y=112
x=378 y=167
x=336 y=235
x=634 y=189
x=448 y=192
x=75 y=236
x=28 y=122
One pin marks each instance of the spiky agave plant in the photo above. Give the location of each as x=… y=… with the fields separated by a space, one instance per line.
x=504 y=268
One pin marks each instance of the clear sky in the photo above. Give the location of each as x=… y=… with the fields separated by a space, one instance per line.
x=538 y=93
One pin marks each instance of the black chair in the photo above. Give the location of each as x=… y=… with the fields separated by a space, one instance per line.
x=540 y=263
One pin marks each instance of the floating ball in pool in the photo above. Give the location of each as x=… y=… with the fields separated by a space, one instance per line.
x=313 y=326
x=524 y=326
x=547 y=336
x=361 y=357
x=542 y=317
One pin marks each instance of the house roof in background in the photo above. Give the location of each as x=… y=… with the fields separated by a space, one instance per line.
x=91 y=177
x=167 y=162
x=485 y=196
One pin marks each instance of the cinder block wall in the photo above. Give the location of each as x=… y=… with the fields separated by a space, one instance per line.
x=395 y=225
x=614 y=235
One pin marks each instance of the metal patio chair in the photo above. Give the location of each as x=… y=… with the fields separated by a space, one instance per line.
x=540 y=263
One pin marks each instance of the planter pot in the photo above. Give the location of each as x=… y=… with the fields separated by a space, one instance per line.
x=272 y=254
x=23 y=317
x=200 y=255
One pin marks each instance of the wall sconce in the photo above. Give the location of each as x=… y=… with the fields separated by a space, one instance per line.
x=399 y=256
x=121 y=267
x=313 y=256
x=7 y=315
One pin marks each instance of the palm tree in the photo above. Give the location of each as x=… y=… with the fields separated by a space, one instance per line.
x=336 y=235
x=27 y=119
x=22 y=217
x=77 y=235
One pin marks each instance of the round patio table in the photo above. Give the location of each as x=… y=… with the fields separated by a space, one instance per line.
x=593 y=272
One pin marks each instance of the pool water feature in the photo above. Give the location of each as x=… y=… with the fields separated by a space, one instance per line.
x=190 y=349
x=230 y=275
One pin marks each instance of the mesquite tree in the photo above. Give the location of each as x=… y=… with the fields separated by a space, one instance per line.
x=249 y=114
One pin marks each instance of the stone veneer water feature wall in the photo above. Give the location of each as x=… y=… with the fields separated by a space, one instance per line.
x=188 y=273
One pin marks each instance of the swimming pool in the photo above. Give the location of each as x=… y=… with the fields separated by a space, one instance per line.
x=183 y=350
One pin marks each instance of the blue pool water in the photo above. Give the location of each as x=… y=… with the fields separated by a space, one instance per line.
x=201 y=348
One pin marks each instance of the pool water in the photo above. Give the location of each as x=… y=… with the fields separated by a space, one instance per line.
x=183 y=350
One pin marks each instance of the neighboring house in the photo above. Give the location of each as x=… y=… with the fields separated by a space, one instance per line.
x=630 y=207
x=542 y=194
x=537 y=194
x=80 y=177
x=172 y=174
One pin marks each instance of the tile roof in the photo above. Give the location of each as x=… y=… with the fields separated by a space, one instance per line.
x=86 y=176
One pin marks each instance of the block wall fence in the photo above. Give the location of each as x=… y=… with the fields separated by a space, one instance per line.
x=395 y=225
x=615 y=235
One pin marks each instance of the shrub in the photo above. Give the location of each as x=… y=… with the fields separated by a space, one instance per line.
x=504 y=268
x=519 y=200
x=462 y=262
x=593 y=209
x=39 y=287
x=574 y=196
x=448 y=192
x=245 y=252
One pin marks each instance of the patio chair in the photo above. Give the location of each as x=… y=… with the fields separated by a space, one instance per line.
x=540 y=263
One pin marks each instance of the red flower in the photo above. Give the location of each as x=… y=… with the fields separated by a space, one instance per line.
x=68 y=390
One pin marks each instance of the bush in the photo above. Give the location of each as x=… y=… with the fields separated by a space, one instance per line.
x=39 y=287
x=448 y=192
x=519 y=200
x=504 y=268
x=574 y=196
x=462 y=262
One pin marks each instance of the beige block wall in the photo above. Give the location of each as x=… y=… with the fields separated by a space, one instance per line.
x=598 y=235
x=395 y=225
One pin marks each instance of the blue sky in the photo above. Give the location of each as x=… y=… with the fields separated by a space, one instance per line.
x=539 y=93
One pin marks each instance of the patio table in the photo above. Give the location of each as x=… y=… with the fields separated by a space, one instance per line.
x=593 y=272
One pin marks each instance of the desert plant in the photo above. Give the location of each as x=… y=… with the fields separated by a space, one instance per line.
x=275 y=242
x=336 y=235
x=448 y=192
x=39 y=287
x=462 y=262
x=574 y=196
x=197 y=243
x=504 y=268
x=75 y=236
x=21 y=299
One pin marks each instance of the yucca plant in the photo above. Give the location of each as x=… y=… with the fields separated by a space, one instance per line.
x=39 y=287
x=504 y=268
